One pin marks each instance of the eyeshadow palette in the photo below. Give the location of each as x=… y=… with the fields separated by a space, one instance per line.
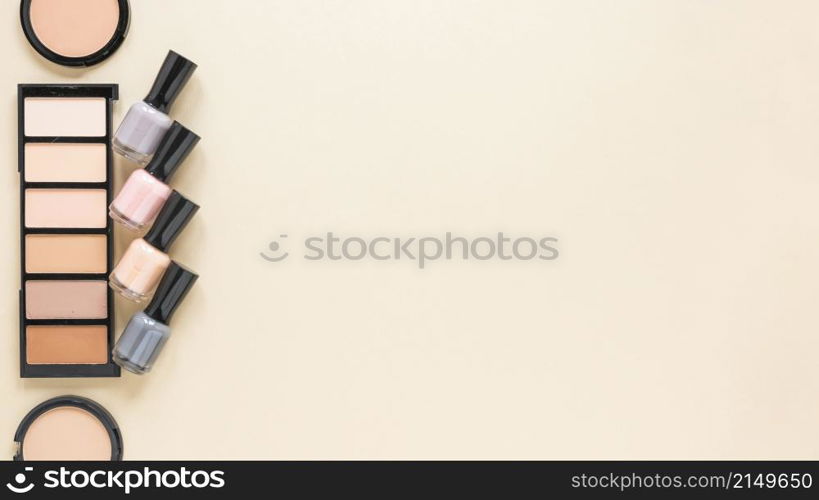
x=65 y=166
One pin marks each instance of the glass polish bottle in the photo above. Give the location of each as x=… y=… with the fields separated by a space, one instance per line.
x=146 y=259
x=147 y=121
x=146 y=334
x=146 y=190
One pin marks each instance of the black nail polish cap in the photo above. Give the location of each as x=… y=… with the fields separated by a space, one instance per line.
x=175 y=284
x=172 y=219
x=172 y=77
x=175 y=146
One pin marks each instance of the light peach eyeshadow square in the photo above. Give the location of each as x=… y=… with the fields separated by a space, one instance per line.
x=65 y=162
x=66 y=208
x=66 y=434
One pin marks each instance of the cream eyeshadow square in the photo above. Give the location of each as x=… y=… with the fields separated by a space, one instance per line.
x=65 y=117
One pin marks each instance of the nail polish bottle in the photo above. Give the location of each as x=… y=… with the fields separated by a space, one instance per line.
x=146 y=259
x=147 y=121
x=148 y=331
x=146 y=190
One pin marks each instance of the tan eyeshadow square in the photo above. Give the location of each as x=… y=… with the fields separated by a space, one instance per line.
x=65 y=162
x=66 y=299
x=78 y=208
x=66 y=253
x=74 y=344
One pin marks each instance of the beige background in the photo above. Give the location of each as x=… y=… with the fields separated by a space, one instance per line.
x=671 y=145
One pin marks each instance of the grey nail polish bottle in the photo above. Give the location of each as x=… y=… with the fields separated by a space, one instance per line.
x=147 y=121
x=148 y=331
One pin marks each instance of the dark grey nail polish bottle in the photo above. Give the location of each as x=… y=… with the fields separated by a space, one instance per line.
x=146 y=333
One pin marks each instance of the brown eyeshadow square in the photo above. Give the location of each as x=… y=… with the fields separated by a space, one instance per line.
x=66 y=344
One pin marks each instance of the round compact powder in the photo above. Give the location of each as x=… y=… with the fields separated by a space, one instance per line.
x=68 y=428
x=75 y=32
x=67 y=433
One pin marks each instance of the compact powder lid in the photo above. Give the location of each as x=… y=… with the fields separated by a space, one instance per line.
x=68 y=428
x=75 y=32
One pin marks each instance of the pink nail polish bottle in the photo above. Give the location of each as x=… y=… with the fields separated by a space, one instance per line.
x=146 y=190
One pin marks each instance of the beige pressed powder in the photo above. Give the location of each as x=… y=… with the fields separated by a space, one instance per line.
x=68 y=428
x=67 y=433
x=75 y=32
x=74 y=28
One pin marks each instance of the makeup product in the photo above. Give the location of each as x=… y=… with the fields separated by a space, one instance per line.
x=147 y=121
x=146 y=190
x=65 y=166
x=146 y=259
x=75 y=32
x=146 y=333
x=68 y=428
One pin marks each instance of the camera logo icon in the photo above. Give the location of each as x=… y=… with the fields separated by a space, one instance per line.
x=20 y=480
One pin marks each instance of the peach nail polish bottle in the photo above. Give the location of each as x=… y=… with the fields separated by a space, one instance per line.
x=146 y=259
x=146 y=190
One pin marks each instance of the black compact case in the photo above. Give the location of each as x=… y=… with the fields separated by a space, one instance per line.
x=96 y=57
x=92 y=407
x=60 y=347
